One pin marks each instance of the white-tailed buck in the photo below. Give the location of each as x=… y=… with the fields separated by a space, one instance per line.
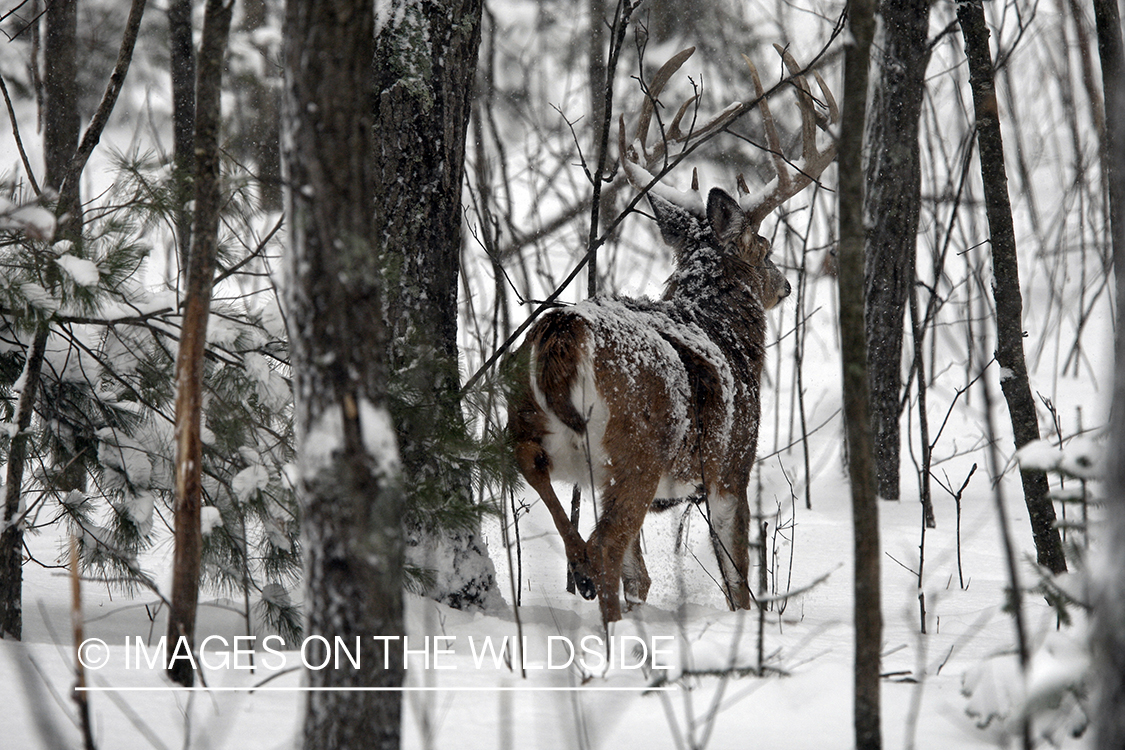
x=649 y=399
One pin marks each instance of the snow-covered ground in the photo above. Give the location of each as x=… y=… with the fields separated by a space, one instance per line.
x=804 y=699
x=463 y=699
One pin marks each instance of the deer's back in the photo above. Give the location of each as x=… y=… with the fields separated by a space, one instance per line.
x=641 y=379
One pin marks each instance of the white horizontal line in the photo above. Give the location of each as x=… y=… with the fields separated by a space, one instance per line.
x=418 y=689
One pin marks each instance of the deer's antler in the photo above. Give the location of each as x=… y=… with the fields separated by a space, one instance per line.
x=639 y=161
x=813 y=161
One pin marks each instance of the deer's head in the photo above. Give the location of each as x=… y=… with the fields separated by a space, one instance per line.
x=725 y=227
x=734 y=224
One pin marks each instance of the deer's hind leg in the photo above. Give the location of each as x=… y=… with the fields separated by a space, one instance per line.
x=534 y=464
x=625 y=501
x=729 y=513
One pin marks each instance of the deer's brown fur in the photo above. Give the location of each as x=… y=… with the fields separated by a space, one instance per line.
x=641 y=396
x=644 y=399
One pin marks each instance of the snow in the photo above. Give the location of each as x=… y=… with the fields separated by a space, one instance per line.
x=1039 y=455
x=209 y=518
x=1082 y=457
x=685 y=623
x=38 y=222
x=84 y=272
x=379 y=439
x=39 y=297
x=126 y=455
x=939 y=685
x=248 y=481
x=324 y=438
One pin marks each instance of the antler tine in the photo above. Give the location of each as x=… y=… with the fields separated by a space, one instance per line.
x=697 y=132
x=659 y=81
x=773 y=141
x=672 y=132
x=623 y=154
x=814 y=161
x=829 y=101
x=804 y=102
x=637 y=159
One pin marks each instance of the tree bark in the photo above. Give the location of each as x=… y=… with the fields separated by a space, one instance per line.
x=1014 y=380
x=60 y=86
x=350 y=494
x=892 y=207
x=865 y=510
x=182 y=49
x=193 y=338
x=11 y=535
x=70 y=207
x=264 y=118
x=425 y=60
x=60 y=141
x=1107 y=637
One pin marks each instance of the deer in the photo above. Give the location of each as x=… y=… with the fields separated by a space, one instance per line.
x=648 y=399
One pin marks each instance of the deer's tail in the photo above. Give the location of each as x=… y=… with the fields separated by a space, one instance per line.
x=560 y=344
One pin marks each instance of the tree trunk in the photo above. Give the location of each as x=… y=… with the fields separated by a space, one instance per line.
x=60 y=141
x=349 y=490
x=60 y=85
x=1112 y=57
x=1006 y=282
x=264 y=120
x=425 y=60
x=182 y=49
x=865 y=509
x=892 y=206
x=193 y=338
x=1107 y=637
x=11 y=538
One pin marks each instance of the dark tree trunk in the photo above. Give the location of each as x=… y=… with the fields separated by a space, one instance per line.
x=70 y=207
x=265 y=118
x=425 y=82
x=892 y=206
x=60 y=141
x=865 y=509
x=596 y=76
x=193 y=338
x=11 y=539
x=351 y=498
x=1014 y=380
x=66 y=159
x=60 y=87
x=182 y=49
x=1107 y=636
x=1112 y=57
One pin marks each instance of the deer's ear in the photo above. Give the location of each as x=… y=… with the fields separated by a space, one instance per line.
x=679 y=227
x=725 y=215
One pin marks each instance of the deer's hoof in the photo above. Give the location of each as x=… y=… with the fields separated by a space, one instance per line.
x=584 y=585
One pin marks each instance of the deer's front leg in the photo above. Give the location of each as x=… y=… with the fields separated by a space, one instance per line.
x=634 y=575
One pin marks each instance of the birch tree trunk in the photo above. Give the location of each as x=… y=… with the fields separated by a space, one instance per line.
x=349 y=491
x=1014 y=380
